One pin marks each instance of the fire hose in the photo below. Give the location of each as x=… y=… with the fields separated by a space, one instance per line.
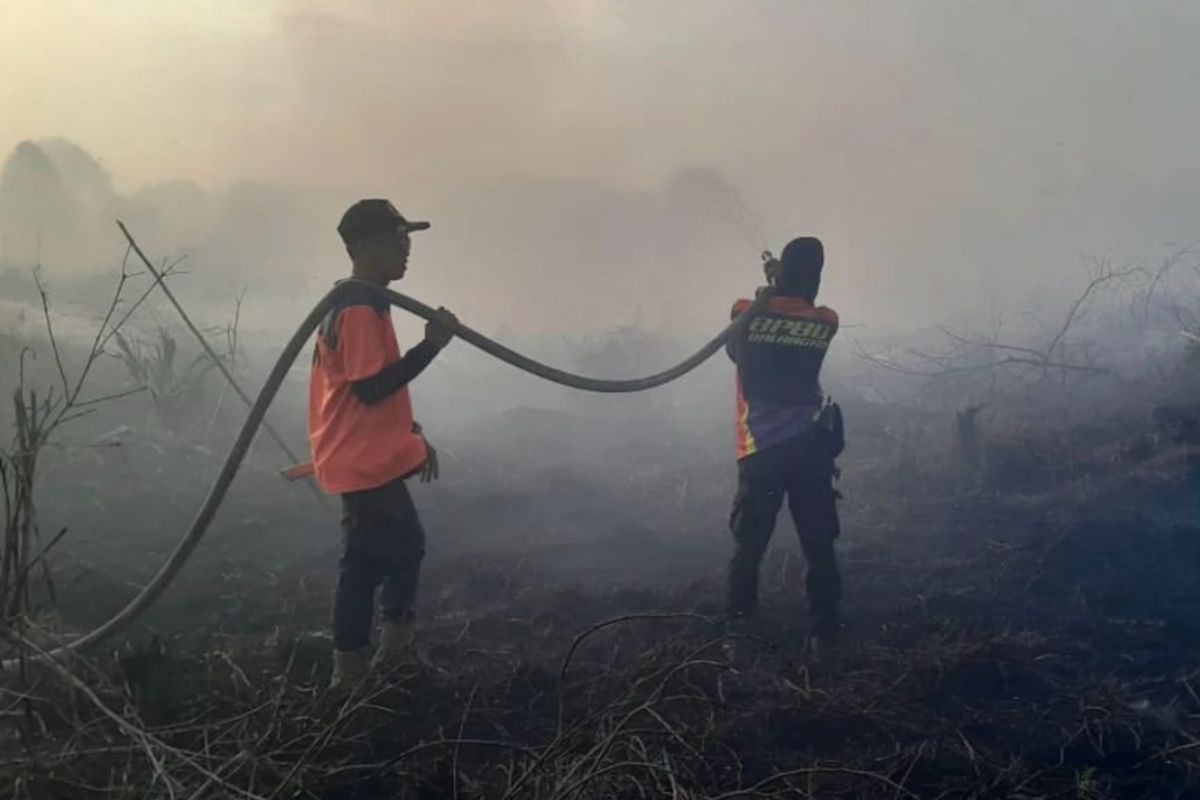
x=254 y=419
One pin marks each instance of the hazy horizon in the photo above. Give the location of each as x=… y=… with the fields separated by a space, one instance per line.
x=584 y=161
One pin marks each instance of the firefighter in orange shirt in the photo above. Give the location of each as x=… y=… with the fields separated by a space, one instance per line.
x=365 y=442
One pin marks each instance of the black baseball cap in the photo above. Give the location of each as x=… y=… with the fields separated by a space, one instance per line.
x=374 y=216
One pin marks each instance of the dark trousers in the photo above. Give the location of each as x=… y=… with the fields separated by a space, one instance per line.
x=802 y=471
x=383 y=544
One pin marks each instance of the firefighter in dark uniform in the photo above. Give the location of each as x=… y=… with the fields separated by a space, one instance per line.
x=787 y=436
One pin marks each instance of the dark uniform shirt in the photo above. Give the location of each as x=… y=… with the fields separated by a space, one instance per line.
x=779 y=356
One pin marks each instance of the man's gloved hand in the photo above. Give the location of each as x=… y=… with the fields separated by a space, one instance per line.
x=440 y=330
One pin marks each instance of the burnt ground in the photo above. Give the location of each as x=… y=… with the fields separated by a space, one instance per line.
x=1028 y=632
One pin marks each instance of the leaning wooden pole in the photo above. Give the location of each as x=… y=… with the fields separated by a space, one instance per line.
x=212 y=354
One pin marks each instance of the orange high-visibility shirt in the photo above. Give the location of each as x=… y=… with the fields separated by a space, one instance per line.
x=356 y=446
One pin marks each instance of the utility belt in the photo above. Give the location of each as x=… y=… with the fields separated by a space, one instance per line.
x=832 y=427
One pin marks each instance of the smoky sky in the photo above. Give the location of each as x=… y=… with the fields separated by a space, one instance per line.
x=953 y=155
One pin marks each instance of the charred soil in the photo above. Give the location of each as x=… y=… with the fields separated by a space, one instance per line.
x=1017 y=636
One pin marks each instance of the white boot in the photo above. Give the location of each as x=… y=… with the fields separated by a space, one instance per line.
x=349 y=667
x=395 y=642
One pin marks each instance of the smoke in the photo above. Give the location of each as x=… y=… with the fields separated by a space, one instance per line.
x=584 y=162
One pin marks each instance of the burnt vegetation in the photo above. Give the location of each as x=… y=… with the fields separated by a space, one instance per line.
x=1021 y=553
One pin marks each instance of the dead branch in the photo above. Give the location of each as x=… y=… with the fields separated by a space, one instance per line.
x=62 y=373
x=36 y=420
x=625 y=618
x=1104 y=276
x=972 y=355
x=148 y=742
x=1168 y=264
x=217 y=361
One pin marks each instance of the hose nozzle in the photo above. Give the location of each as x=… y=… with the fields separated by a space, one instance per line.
x=770 y=266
